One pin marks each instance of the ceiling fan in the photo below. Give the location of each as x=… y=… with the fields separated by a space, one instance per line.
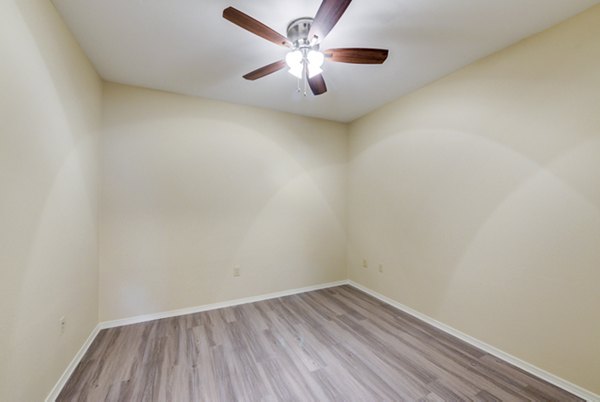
x=304 y=36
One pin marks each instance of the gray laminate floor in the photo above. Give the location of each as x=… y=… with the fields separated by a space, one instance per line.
x=334 y=344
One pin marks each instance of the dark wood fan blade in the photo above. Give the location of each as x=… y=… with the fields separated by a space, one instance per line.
x=328 y=15
x=317 y=84
x=256 y=27
x=266 y=70
x=356 y=55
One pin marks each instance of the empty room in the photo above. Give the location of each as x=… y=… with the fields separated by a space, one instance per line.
x=299 y=200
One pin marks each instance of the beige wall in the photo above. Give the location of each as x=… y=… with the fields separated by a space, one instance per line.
x=480 y=195
x=49 y=117
x=193 y=187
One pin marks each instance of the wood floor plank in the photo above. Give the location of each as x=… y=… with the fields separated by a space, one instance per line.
x=332 y=344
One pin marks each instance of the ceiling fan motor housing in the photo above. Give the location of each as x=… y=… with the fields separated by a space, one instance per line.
x=297 y=32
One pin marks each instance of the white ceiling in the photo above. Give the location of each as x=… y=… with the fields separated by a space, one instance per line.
x=185 y=46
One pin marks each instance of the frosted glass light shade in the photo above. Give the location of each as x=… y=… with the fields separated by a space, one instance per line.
x=294 y=59
x=315 y=58
x=297 y=70
x=313 y=70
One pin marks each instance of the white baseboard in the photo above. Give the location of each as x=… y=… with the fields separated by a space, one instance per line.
x=214 y=306
x=173 y=313
x=71 y=367
x=530 y=368
x=551 y=378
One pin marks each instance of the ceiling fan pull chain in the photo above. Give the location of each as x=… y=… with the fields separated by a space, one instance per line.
x=304 y=78
x=305 y=85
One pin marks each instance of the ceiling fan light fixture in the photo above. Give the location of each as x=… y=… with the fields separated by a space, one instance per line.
x=297 y=70
x=294 y=59
x=313 y=70
x=315 y=58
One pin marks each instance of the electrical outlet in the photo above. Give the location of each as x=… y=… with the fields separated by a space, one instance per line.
x=236 y=271
x=381 y=268
x=365 y=264
x=63 y=324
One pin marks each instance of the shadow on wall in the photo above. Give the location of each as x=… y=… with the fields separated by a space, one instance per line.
x=50 y=118
x=193 y=188
x=449 y=189
x=485 y=239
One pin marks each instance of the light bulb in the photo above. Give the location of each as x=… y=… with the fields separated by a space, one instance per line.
x=315 y=58
x=294 y=59
x=313 y=70
x=297 y=70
